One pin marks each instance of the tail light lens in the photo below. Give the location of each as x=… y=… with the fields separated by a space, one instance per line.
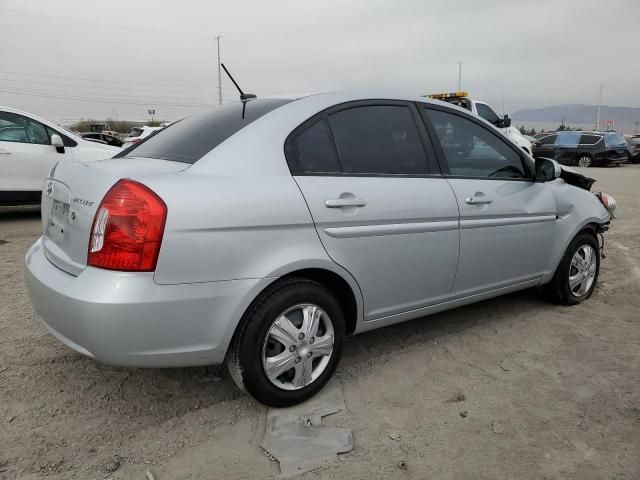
x=127 y=229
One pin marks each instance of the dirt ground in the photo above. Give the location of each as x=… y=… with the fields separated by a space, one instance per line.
x=512 y=388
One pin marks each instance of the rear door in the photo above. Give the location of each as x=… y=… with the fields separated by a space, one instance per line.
x=381 y=209
x=507 y=221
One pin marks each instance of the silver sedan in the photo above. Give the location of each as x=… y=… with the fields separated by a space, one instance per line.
x=262 y=233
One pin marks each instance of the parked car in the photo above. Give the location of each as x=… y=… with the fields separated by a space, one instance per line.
x=583 y=149
x=633 y=145
x=262 y=233
x=484 y=110
x=102 y=138
x=137 y=134
x=30 y=146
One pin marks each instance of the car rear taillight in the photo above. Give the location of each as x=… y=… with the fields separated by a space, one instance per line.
x=127 y=229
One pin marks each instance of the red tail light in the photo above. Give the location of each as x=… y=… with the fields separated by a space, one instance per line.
x=127 y=229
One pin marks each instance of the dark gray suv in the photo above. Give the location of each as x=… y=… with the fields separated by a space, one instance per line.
x=583 y=149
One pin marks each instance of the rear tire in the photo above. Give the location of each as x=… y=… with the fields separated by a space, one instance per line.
x=577 y=273
x=584 y=161
x=288 y=343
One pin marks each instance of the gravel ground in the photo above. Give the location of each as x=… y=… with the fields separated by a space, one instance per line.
x=511 y=388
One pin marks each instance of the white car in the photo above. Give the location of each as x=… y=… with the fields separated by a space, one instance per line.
x=139 y=133
x=29 y=148
x=485 y=111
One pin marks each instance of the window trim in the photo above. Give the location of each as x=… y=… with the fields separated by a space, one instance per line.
x=440 y=155
x=431 y=162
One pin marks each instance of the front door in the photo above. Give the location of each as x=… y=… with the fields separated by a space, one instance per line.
x=26 y=154
x=507 y=221
x=379 y=208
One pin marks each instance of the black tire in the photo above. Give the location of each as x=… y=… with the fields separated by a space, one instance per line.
x=244 y=358
x=559 y=288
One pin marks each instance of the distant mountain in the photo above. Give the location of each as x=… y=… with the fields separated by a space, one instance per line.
x=576 y=115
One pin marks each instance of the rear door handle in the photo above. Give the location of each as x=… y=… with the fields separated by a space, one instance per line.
x=344 y=202
x=478 y=200
x=4 y=152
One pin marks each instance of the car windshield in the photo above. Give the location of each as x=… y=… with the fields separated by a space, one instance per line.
x=614 y=140
x=190 y=139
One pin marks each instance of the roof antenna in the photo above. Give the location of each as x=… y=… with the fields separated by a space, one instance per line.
x=244 y=97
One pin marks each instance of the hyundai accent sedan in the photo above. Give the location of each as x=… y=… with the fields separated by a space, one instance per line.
x=262 y=233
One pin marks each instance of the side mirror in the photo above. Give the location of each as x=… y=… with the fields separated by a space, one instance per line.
x=56 y=141
x=547 y=169
x=506 y=121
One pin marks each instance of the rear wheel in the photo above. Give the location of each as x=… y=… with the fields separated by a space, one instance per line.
x=584 y=161
x=577 y=274
x=288 y=344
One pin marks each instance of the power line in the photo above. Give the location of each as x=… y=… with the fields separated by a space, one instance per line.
x=101 y=100
x=109 y=25
x=57 y=85
x=207 y=87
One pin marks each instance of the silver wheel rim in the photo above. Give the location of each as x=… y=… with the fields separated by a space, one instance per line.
x=298 y=346
x=582 y=271
x=584 y=162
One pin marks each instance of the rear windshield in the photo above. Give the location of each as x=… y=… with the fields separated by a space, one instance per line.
x=190 y=139
x=135 y=132
x=614 y=140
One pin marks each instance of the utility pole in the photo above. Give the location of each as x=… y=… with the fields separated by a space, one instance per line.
x=636 y=127
x=459 y=74
x=599 y=105
x=219 y=73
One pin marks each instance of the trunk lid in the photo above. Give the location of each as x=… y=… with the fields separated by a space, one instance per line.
x=71 y=197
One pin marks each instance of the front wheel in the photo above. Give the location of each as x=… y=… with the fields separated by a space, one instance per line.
x=577 y=274
x=288 y=344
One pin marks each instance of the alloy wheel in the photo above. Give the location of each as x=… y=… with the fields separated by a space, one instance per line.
x=582 y=270
x=584 y=161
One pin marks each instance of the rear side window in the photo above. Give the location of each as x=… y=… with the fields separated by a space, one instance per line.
x=190 y=139
x=472 y=150
x=311 y=151
x=380 y=139
x=589 y=139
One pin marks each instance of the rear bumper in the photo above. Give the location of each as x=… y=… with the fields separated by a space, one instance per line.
x=127 y=319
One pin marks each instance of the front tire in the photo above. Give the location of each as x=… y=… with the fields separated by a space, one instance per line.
x=288 y=344
x=577 y=274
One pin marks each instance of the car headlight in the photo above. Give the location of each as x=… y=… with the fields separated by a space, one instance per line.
x=609 y=203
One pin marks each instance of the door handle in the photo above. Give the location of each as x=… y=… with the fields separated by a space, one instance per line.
x=478 y=200
x=4 y=152
x=344 y=202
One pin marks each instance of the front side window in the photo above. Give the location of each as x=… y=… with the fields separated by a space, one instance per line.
x=486 y=112
x=378 y=139
x=569 y=139
x=473 y=151
x=548 y=140
x=17 y=128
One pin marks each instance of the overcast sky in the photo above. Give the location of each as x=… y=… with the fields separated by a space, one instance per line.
x=122 y=58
